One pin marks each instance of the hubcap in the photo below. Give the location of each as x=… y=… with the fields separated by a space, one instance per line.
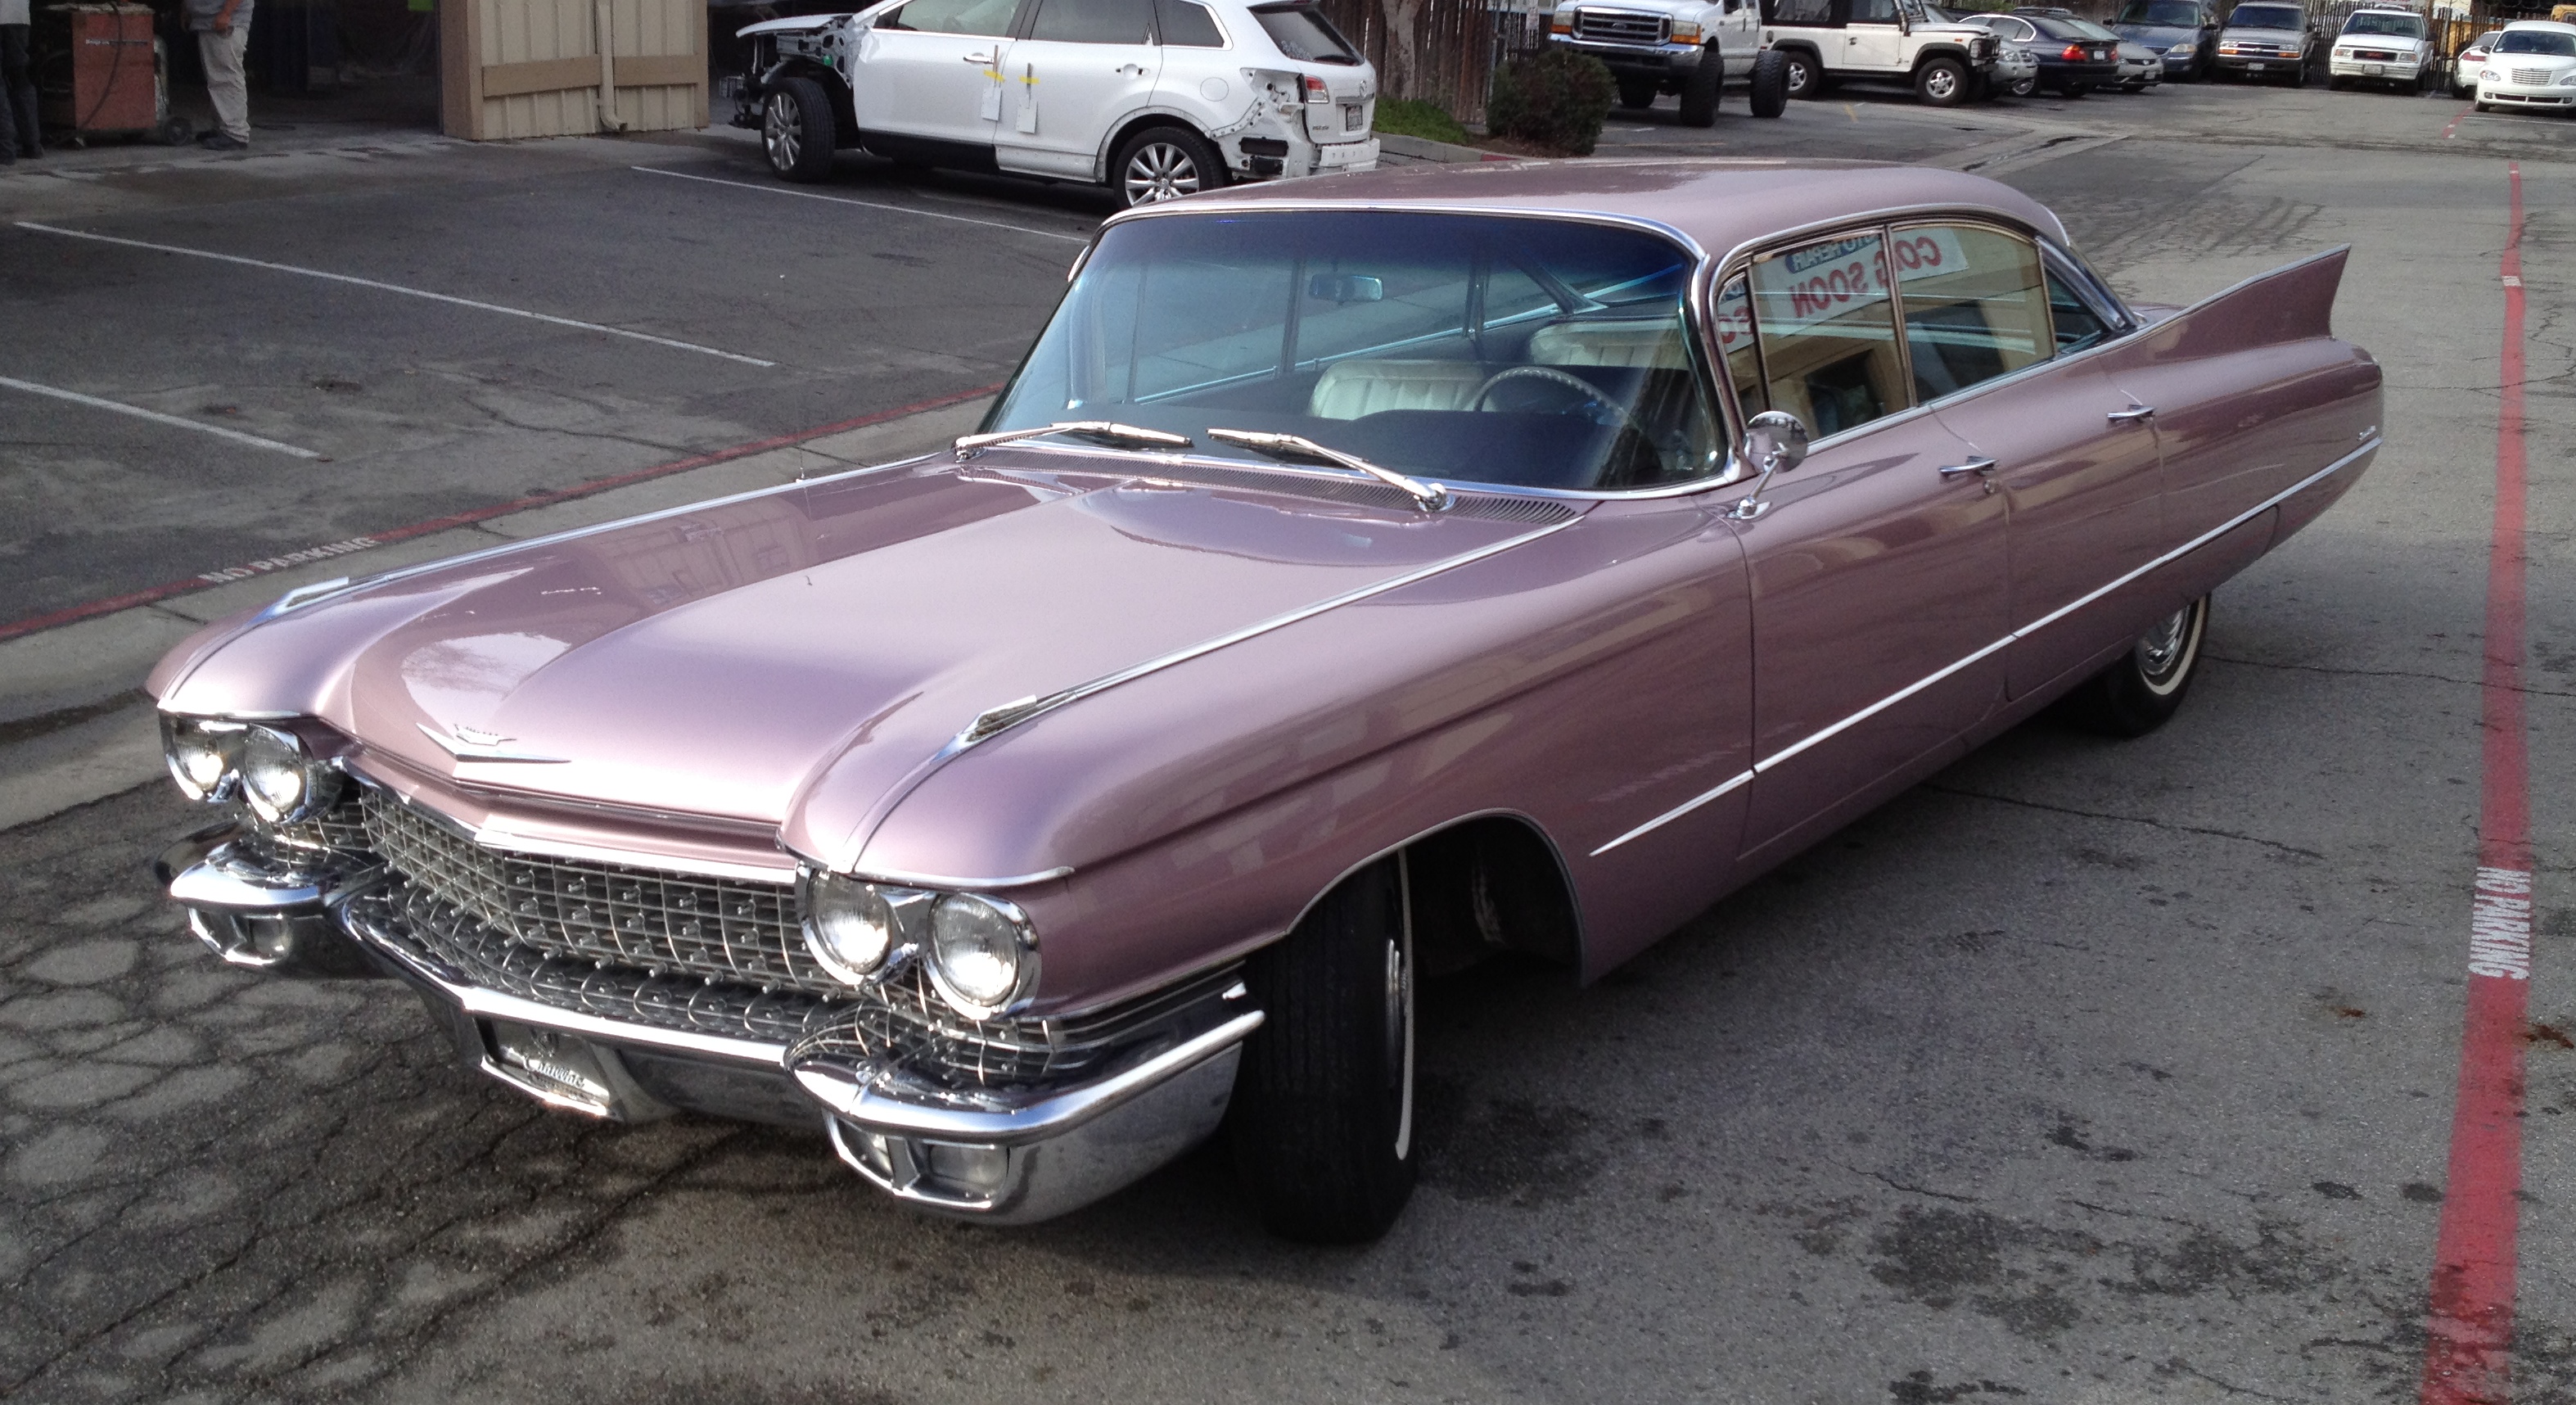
x=1399 y=1019
x=2162 y=651
x=1941 y=83
x=1160 y=171
x=780 y=130
x=1798 y=77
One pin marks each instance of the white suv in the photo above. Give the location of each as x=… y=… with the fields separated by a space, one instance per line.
x=1902 y=41
x=1153 y=98
x=2384 y=44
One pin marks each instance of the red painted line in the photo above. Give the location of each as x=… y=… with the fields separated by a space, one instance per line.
x=2467 y=1354
x=210 y=579
x=2454 y=124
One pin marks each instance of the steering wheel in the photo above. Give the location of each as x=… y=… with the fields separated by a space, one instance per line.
x=1590 y=391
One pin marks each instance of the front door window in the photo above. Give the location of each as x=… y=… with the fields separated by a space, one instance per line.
x=1828 y=333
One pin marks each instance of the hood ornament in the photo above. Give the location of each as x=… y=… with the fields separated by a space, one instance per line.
x=475 y=744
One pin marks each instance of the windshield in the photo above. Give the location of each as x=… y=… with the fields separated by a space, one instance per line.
x=1458 y=348
x=2536 y=41
x=2394 y=26
x=2177 y=14
x=1302 y=33
x=2267 y=17
x=2090 y=30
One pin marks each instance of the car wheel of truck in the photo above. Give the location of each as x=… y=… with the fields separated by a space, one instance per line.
x=1636 y=93
x=1806 y=80
x=796 y=129
x=1165 y=163
x=1942 y=82
x=2145 y=688
x=1701 y=90
x=1322 y=1120
x=1770 y=83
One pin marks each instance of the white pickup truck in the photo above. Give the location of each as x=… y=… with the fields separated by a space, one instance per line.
x=1152 y=98
x=1690 y=47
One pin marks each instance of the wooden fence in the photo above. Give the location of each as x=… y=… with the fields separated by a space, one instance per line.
x=1439 y=51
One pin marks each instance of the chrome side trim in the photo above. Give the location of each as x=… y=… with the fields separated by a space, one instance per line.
x=832 y=1085
x=1684 y=808
x=997 y=720
x=902 y=879
x=2026 y=631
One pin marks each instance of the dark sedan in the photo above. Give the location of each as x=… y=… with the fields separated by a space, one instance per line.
x=2071 y=62
x=2184 y=31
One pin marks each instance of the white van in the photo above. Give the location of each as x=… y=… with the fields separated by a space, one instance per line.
x=1152 y=98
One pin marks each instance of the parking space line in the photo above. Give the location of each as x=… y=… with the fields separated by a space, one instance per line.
x=395 y=288
x=863 y=204
x=227 y=575
x=137 y=411
x=2469 y=1331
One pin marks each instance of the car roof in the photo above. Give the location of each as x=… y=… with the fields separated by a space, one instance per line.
x=2551 y=26
x=1717 y=204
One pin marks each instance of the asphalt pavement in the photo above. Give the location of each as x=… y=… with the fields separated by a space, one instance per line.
x=2087 y=1072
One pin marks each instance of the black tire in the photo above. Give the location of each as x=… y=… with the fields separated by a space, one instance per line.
x=1806 y=77
x=1636 y=93
x=1770 y=83
x=1164 y=163
x=2145 y=688
x=2298 y=75
x=2484 y=107
x=796 y=129
x=1942 y=82
x=1702 y=89
x=2023 y=88
x=1322 y=1120
x=2072 y=91
x=2336 y=85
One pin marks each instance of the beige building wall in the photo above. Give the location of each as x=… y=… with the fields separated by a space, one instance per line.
x=534 y=68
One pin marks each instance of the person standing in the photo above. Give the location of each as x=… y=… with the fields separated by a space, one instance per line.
x=223 y=31
x=18 y=136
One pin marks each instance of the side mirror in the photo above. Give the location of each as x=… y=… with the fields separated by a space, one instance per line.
x=1775 y=441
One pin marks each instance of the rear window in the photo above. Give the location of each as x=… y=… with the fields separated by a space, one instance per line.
x=2268 y=17
x=1302 y=33
x=1817 y=12
x=2393 y=26
x=2536 y=41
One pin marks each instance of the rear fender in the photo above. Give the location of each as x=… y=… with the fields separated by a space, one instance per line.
x=2294 y=302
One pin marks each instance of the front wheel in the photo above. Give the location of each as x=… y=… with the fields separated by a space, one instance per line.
x=1636 y=94
x=1770 y=83
x=1165 y=163
x=1942 y=82
x=2023 y=88
x=1701 y=89
x=1322 y=1120
x=796 y=130
x=2145 y=688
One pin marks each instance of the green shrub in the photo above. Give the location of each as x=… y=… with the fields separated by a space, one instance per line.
x=1412 y=117
x=1556 y=98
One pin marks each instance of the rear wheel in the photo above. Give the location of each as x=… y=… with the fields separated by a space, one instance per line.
x=2073 y=90
x=796 y=129
x=2145 y=688
x=1165 y=163
x=1701 y=90
x=1942 y=82
x=1322 y=1120
x=1805 y=78
x=1636 y=93
x=1770 y=83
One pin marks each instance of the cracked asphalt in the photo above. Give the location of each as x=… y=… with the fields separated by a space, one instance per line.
x=2085 y=1072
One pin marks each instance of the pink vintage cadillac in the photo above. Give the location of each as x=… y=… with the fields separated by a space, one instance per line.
x=1359 y=577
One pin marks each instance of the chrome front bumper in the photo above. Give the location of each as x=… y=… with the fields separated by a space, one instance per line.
x=1006 y=1157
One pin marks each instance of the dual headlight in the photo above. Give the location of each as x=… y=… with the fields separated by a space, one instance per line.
x=2183 y=50
x=266 y=768
x=981 y=952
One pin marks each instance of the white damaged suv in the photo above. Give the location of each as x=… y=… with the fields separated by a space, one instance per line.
x=1152 y=98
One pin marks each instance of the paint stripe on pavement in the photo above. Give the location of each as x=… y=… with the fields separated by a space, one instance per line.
x=177 y=421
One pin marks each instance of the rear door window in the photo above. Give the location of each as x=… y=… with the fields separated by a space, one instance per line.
x=1302 y=33
x=1976 y=305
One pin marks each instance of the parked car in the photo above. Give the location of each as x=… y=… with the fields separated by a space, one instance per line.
x=1825 y=42
x=1357 y=578
x=2184 y=31
x=2016 y=70
x=2388 y=45
x=2139 y=68
x=2464 y=69
x=1690 y=47
x=1152 y=98
x=2533 y=65
x=2270 y=40
x=2071 y=62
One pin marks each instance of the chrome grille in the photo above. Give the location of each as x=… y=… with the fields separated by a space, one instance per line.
x=451 y=938
x=1622 y=26
x=2531 y=77
x=649 y=920
x=342 y=828
x=905 y=1030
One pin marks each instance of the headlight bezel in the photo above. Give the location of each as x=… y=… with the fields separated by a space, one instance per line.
x=317 y=781
x=900 y=911
x=980 y=998
x=212 y=738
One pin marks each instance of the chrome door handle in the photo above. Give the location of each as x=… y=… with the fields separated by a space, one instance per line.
x=2133 y=414
x=1983 y=468
x=985 y=59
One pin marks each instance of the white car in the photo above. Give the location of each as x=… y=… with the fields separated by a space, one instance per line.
x=1152 y=98
x=2533 y=64
x=2384 y=44
x=2464 y=69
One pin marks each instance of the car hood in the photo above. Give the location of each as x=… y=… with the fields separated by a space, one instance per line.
x=2266 y=36
x=2160 y=36
x=804 y=652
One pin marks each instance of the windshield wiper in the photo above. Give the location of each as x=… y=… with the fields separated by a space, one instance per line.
x=1107 y=433
x=1297 y=448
